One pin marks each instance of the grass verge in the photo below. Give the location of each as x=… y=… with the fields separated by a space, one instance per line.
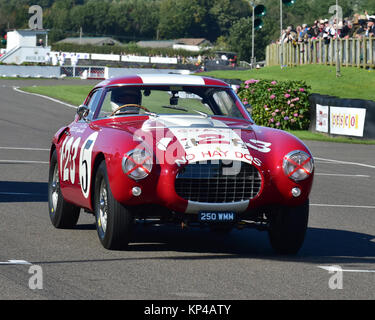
x=76 y=95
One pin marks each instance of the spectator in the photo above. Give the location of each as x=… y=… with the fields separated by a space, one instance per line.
x=55 y=59
x=361 y=28
x=347 y=30
x=62 y=59
x=371 y=26
x=47 y=59
x=290 y=35
x=74 y=60
x=360 y=25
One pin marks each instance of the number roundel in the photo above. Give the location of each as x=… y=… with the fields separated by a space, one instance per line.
x=68 y=155
x=69 y=152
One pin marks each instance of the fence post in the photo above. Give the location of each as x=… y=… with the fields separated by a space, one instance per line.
x=276 y=54
x=331 y=52
x=314 y=52
x=341 y=51
x=358 y=52
x=354 y=52
x=298 y=53
x=371 y=52
x=364 y=52
x=347 y=52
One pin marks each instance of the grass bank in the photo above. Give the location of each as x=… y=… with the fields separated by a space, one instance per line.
x=353 y=84
x=74 y=95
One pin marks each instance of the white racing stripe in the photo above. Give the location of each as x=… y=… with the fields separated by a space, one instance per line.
x=17 y=89
x=204 y=138
x=171 y=79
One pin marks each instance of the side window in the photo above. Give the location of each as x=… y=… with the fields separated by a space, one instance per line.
x=106 y=108
x=226 y=104
x=93 y=103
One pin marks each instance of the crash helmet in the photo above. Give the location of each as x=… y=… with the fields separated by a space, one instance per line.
x=126 y=95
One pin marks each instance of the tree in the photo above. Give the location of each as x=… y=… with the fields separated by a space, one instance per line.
x=181 y=18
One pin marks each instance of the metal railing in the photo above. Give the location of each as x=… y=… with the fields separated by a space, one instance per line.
x=84 y=72
x=353 y=52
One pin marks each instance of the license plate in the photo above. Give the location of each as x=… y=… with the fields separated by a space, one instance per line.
x=217 y=217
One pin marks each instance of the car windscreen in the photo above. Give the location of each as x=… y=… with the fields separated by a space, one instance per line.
x=130 y=100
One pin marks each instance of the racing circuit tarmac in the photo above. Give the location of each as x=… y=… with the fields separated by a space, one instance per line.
x=167 y=262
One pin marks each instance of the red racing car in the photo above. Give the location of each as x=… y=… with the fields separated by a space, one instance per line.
x=177 y=149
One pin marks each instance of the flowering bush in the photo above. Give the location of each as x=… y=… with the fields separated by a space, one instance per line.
x=277 y=104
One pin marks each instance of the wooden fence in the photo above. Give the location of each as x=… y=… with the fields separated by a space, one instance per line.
x=353 y=52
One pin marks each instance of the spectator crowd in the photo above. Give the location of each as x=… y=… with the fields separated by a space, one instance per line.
x=358 y=26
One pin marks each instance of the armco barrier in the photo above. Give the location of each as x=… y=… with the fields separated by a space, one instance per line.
x=343 y=117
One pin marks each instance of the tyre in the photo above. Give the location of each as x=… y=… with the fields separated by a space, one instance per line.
x=63 y=214
x=114 y=222
x=288 y=227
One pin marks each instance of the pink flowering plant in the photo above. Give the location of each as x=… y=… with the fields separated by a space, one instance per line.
x=277 y=104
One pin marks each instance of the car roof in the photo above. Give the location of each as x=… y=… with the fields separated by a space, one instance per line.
x=162 y=79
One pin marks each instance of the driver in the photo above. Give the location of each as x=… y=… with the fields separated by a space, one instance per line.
x=123 y=95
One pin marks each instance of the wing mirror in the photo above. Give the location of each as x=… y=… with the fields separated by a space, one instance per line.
x=83 y=111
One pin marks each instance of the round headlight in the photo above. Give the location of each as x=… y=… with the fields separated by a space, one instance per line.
x=137 y=164
x=298 y=165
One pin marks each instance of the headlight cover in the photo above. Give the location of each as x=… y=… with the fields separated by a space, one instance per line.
x=298 y=165
x=137 y=164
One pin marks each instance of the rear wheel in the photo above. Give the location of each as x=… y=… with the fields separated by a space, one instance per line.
x=114 y=221
x=63 y=214
x=288 y=227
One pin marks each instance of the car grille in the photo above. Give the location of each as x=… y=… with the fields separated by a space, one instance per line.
x=218 y=181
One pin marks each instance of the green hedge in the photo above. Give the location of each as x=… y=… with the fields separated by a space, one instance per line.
x=277 y=104
x=127 y=49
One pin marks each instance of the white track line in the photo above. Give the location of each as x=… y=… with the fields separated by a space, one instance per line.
x=340 y=206
x=27 y=149
x=17 y=89
x=345 y=162
x=23 y=162
x=14 y=262
x=336 y=269
x=343 y=175
x=20 y=194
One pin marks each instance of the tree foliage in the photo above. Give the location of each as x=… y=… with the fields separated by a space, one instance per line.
x=224 y=21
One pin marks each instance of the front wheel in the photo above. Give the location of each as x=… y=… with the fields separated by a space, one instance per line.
x=114 y=221
x=288 y=227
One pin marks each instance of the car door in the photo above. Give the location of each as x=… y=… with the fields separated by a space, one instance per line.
x=74 y=154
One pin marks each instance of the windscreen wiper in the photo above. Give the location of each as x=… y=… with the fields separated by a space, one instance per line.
x=202 y=113
x=175 y=108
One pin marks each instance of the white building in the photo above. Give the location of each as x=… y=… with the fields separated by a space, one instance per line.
x=26 y=46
